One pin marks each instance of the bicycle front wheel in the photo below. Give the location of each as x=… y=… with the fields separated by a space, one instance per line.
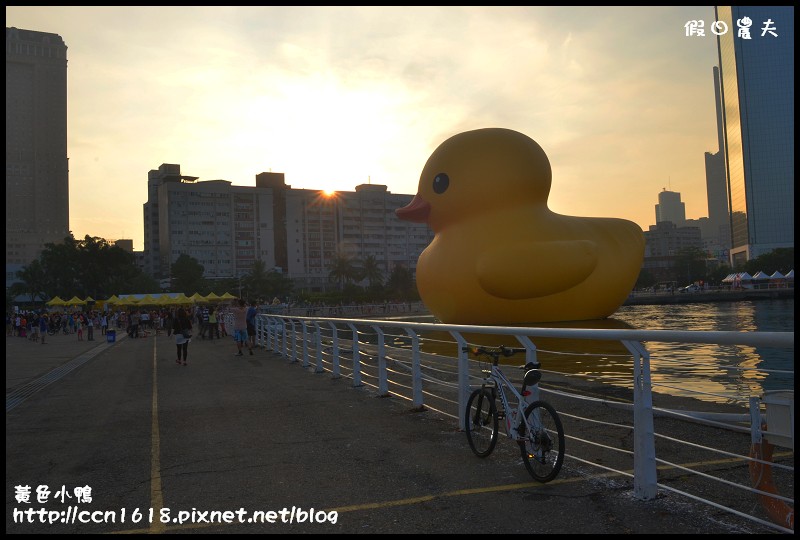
x=480 y=422
x=543 y=448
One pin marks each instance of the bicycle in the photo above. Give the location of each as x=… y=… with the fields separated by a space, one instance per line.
x=538 y=432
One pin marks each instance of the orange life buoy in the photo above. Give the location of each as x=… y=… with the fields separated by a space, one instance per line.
x=761 y=476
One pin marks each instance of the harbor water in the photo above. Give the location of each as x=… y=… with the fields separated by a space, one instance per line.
x=717 y=373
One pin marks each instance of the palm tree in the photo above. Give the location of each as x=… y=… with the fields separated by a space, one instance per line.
x=342 y=270
x=33 y=280
x=257 y=281
x=372 y=271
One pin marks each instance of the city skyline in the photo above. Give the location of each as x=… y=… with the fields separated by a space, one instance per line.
x=621 y=100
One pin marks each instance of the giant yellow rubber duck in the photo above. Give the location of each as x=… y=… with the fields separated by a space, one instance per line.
x=499 y=255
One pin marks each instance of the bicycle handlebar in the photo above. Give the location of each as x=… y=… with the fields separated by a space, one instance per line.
x=496 y=352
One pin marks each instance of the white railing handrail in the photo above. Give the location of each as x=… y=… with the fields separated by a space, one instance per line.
x=274 y=329
x=724 y=337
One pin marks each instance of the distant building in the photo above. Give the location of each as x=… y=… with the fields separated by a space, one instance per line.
x=37 y=174
x=663 y=244
x=670 y=208
x=125 y=244
x=298 y=232
x=757 y=89
x=717 y=233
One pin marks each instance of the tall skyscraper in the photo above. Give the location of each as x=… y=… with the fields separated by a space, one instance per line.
x=719 y=216
x=670 y=208
x=757 y=84
x=37 y=173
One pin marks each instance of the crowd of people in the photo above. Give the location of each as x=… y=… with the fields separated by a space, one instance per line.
x=210 y=321
x=183 y=324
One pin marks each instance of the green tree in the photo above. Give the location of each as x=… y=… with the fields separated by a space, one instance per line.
x=400 y=284
x=780 y=259
x=690 y=265
x=89 y=267
x=341 y=270
x=33 y=281
x=372 y=272
x=187 y=274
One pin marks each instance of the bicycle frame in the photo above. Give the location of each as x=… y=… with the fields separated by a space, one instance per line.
x=500 y=382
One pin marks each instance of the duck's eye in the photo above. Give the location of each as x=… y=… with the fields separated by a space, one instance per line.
x=440 y=183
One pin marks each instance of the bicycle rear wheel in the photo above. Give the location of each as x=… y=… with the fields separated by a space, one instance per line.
x=543 y=448
x=480 y=422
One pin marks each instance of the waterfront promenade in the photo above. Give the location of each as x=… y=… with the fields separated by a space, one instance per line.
x=650 y=298
x=258 y=433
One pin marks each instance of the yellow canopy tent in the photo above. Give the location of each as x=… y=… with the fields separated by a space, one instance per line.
x=182 y=300
x=127 y=301
x=74 y=301
x=89 y=299
x=147 y=300
x=228 y=296
x=55 y=301
x=113 y=300
x=197 y=297
x=213 y=297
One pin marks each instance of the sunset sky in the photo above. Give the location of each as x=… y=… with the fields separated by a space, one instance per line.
x=619 y=98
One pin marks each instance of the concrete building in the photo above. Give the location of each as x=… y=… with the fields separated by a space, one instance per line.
x=354 y=225
x=225 y=227
x=757 y=89
x=717 y=234
x=298 y=232
x=37 y=173
x=670 y=208
x=663 y=243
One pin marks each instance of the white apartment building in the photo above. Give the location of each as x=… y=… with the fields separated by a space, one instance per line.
x=299 y=232
x=355 y=225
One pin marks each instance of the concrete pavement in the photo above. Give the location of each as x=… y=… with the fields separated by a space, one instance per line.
x=257 y=434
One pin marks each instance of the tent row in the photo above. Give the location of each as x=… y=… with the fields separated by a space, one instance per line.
x=145 y=300
x=759 y=276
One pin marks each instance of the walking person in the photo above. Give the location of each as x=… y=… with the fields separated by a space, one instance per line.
x=182 y=328
x=240 y=327
x=43 y=322
x=213 y=328
x=79 y=327
x=90 y=327
x=252 y=311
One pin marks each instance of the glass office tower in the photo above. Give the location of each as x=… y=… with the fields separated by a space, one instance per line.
x=757 y=77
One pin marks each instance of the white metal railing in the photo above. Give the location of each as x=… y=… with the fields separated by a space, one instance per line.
x=389 y=356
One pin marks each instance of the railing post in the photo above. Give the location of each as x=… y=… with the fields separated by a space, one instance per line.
x=416 y=371
x=258 y=327
x=337 y=372
x=283 y=333
x=463 y=377
x=305 y=344
x=645 y=477
x=530 y=356
x=319 y=348
x=383 y=383
x=271 y=324
x=294 y=343
x=356 y=357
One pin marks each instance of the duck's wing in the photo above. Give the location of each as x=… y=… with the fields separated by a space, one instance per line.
x=536 y=269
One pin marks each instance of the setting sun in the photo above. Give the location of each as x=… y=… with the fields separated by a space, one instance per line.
x=328 y=193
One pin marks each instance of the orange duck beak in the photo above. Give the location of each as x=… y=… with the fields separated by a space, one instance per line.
x=416 y=211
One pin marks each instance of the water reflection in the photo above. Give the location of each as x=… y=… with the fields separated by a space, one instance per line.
x=677 y=369
x=718 y=369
